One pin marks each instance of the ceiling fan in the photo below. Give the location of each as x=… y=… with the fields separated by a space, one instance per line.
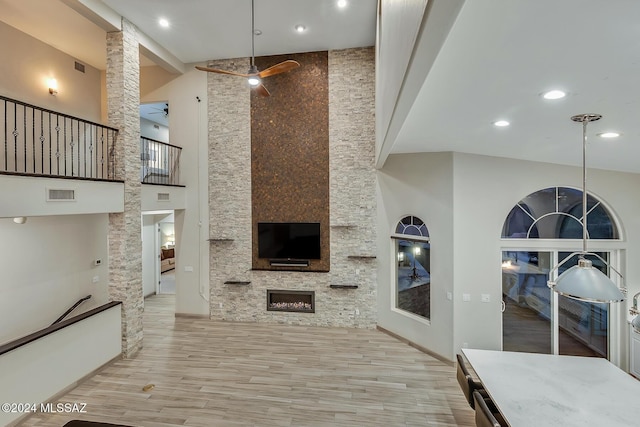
x=253 y=76
x=164 y=111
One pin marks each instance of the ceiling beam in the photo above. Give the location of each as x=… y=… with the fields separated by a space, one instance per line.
x=110 y=20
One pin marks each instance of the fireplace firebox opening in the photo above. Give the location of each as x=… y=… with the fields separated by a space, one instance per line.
x=296 y=301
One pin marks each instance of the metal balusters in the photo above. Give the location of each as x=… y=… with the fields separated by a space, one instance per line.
x=76 y=143
x=159 y=162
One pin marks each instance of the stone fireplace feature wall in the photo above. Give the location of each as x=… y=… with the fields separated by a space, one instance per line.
x=352 y=201
x=290 y=150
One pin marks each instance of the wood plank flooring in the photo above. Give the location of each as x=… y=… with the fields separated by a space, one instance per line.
x=210 y=373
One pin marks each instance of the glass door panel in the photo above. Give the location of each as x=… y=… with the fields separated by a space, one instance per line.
x=583 y=326
x=526 y=324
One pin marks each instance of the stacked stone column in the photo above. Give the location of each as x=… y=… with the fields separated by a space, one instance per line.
x=125 y=240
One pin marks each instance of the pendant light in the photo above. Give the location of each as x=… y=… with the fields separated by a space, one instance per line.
x=584 y=282
x=635 y=323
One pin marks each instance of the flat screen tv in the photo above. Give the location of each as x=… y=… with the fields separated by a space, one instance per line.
x=289 y=240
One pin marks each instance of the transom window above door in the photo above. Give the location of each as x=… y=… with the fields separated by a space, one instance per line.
x=556 y=213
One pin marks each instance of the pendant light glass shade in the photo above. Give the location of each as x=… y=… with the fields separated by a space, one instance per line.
x=584 y=282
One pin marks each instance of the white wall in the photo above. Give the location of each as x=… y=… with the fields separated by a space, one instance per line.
x=176 y=196
x=37 y=371
x=47 y=265
x=27 y=196
x=464 y=200
x=148 y=130
x=29 y=63
x=420 y=185
x=485 y=190
x=188 y=124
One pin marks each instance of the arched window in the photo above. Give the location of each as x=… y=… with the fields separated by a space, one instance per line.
x=556 y=213
x=413 y=261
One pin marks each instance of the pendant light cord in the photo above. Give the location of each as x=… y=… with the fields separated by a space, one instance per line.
x=253 y=36
x=584 y=184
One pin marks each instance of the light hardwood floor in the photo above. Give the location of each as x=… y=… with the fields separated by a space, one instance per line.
x=210 y=373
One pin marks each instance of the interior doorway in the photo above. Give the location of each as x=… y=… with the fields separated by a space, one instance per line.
x=158 y=253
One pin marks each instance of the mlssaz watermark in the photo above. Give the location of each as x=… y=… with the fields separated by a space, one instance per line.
x=49 y=407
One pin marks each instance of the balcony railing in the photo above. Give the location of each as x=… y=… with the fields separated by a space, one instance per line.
x=160 y=162
x=37 y=141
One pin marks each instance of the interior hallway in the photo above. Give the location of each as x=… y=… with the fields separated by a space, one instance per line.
x=246 y=374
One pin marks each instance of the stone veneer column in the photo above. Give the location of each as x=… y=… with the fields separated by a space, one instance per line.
x=352 y=189
x=125 y=245
x=229 y=184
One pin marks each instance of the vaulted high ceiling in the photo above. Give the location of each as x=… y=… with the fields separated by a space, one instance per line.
x=495 y=62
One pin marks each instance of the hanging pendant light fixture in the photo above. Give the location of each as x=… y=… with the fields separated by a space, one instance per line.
x=635 y=323
x=584 y=282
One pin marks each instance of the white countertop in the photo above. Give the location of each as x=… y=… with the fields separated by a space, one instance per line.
x=549 y=390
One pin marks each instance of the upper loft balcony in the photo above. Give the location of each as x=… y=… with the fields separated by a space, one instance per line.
x=48 y=157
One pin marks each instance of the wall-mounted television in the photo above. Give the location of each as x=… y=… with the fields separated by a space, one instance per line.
x=289 y=240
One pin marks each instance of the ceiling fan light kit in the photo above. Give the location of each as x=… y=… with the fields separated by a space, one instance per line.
x=253 y=76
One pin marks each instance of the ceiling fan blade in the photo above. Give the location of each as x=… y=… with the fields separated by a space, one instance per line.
x=214 y=70
x=279 y=68
x=262 y=91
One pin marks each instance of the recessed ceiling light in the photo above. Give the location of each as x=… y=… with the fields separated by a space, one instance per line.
x=501 y=123
x=300 y=28
x=342 y=3
x=554 y=94
x=609 y=135
x=163 y=22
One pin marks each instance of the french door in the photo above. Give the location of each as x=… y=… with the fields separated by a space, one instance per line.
x=536 y=320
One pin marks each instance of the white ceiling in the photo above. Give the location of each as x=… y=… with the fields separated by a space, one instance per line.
x=499 y=56
x=213 y=29
x=502 y=54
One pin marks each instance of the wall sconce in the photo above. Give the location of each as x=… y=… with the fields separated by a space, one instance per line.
x=53 y=87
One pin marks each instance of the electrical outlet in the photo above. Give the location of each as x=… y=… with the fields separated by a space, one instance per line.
x=97 y=262
x=188 y=268
x=450 y=296
x=466 y=297
x=485 y=298
x=357 y=312
x=95 y=279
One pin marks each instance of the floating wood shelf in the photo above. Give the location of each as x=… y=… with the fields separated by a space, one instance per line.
x=220 y=240
x=343 y=226
x=343 y=286
x=361 y=257
x=236 y=282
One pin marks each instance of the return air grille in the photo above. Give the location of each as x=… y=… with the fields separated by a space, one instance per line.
x=60 y=195
x=163 y=197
